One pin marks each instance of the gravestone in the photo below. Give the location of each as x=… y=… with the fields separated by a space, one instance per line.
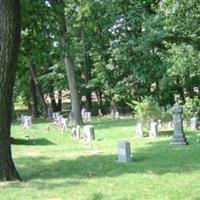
x=179 y=136
x=139 y=130
x=50 y=113
x=194 y=123
x=116 y=115
x=73 y=132
x=153 y=130
x=64 y=123
x=78 y=131
x=27 y=122
x=99 y=112
x=83 y=111
x=88 y=116
x=124 y=151
x=89 y=133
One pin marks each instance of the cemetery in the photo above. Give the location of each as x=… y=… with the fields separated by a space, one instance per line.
x=99 y=100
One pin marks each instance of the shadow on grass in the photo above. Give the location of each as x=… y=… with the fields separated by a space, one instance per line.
x=39 y=141
x=159 y=157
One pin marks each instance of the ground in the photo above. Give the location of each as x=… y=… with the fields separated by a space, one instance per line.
x=59 y=167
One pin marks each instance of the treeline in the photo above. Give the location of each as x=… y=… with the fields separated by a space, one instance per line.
x=118 y=50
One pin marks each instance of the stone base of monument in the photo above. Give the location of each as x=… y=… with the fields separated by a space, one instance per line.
x=181 y=140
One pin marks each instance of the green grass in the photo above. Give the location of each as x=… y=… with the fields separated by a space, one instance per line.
x=55 y=166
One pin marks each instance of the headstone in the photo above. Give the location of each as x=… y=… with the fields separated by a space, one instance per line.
x=179 y=136
x=99 y=112
x=153 y=131
x=83 y=111
x=74 y=132
x=89 y=133
x=124 y=151
x=64 y=125
x=113 y=114
x=159 y=124
x=194 y=123
x=116 y=115
x=78 y=132
x=139 y=130
x=27 y=122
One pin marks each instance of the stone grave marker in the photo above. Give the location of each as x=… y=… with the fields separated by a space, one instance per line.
x=124 y=151
x=153 y=130
x=179 y=136
x=89 y=133
x=139 y=130
x=194 y=123
x=74 y=132
x=78 y=132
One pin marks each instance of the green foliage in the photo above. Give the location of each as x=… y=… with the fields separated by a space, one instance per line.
x=167 y=116
x=147 y=110
x=191 y=108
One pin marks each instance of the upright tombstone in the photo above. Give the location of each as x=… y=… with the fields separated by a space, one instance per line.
x=50 y=113
x=124 y=151
x=113 y=114
x=83 y=111
x=89 y=133
x=153 y=131
x=139 y=130
x=99 y=112
x=64 y=125
x=179 y=136
x=159 y=124
x=73 y=132
x=116 y=115
x=78 y=132
x=194 y=123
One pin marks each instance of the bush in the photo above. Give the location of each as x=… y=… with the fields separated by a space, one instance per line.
x=167 y=116
x=147 y=110
x=191 y=108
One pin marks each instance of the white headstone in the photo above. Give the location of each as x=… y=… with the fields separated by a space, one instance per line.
x=139 y=130
x=153 y=131
x=194 y=123
x=89 y=133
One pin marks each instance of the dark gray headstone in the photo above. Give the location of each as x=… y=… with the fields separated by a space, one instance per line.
x=179 y=136
x=124 y=151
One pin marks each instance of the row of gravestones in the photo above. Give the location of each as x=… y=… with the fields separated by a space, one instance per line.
x=124 y=149
x=88 y=130
x=154 y=126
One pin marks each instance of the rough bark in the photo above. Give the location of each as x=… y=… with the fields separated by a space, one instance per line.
x=39 y=91
x=9 y=46
x=59 y=104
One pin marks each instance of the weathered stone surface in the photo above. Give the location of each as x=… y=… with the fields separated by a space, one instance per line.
x=124 y=151
x=179 y=136
x=78 y=132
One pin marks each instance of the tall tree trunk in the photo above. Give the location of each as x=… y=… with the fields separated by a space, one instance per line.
x=35 y=111
x=59 y=6
x=39 y=91
x=86 y=72
x=9 y=46
x=52 y=97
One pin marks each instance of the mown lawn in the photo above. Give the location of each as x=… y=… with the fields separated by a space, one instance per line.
x=55 y=166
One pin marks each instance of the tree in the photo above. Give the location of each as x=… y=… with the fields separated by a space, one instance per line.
x=9 y=45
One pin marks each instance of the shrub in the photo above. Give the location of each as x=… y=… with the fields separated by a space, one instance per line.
x=147 y=110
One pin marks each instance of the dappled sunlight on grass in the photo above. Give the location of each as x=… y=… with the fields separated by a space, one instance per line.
x=56 y=166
